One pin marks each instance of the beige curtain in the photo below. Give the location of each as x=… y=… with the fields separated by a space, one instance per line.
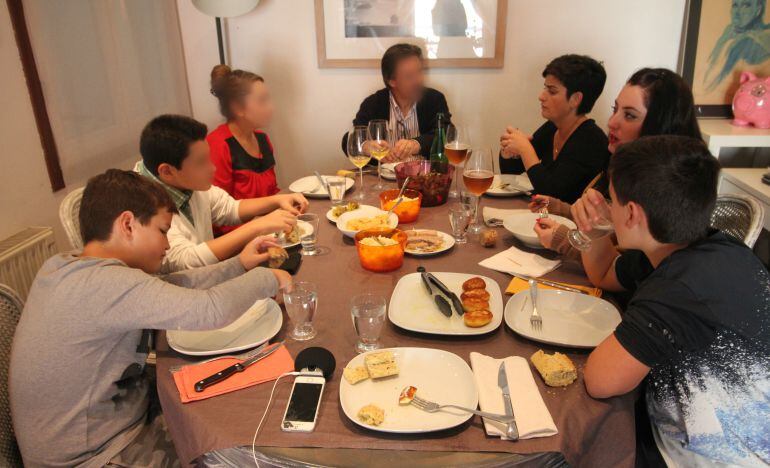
x=107 y=67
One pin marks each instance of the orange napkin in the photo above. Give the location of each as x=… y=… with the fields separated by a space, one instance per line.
x=262 y=371
x=518 y=284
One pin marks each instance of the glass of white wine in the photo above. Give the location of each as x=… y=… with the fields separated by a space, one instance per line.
x=377 y=134
x=358 y=155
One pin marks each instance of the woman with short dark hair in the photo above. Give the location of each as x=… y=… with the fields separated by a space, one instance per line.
x=569 y=150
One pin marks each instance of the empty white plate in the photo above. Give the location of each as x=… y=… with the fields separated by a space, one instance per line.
x=517 y=185
x=257 y=325
x=310 y=187
x=412 y=308
x=522 y=225
x=569 y=319
x=439 y=376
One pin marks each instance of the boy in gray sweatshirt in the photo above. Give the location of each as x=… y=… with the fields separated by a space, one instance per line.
x=78 y=392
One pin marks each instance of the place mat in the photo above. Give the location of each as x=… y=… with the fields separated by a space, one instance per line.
x=265 y=370
x=518 y=285
x=591 y=432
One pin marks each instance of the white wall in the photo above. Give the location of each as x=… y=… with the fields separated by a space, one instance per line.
x=315 y=106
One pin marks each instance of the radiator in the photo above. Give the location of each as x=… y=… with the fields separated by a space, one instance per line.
x=22 y=255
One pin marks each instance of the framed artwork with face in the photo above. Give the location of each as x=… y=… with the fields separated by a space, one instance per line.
x=721 y=39
x=452 y=33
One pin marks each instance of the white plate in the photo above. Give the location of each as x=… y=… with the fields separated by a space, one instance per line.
x=411 y=308
x=439 y=376
x=330 y=215
x=257 y=325
x=569 y=319
x=307 y=185
x=449 y=242
x=389 y=171
x=305 y=229
x=365 y=211
x=522 y=226
x=519 y=184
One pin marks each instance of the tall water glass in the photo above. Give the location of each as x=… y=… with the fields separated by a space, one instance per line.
x=301 y=304
x=309 y=235
x=601 y=227
x=368 y=312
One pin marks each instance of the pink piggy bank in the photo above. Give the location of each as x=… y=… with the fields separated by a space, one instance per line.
x=751 y=103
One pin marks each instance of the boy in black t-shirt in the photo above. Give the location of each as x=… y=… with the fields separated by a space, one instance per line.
x=697 y=325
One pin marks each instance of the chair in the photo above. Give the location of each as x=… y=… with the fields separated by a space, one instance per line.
x=10 y=311
x=69 y=212
x=740 y=216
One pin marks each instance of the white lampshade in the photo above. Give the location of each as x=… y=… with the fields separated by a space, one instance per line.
x=225 y=8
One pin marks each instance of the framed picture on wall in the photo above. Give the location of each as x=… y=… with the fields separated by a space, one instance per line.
x=452 y=33
x=721 y=39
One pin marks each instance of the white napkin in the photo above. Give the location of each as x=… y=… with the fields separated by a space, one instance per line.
x=514 y=260
x=532 y=416
x=498 y=213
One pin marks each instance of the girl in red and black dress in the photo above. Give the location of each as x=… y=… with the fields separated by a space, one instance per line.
x=241 y=152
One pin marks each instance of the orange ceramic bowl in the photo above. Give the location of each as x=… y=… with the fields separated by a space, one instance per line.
x=381 y=258
x=408 y=210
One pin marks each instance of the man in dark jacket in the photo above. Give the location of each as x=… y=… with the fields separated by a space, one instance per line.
x=409 y=107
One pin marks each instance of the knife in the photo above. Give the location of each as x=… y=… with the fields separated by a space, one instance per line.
x=441 y=302
x=239 y=367
x=458 y=304
x=323 y=183
x=512 y=432
x=549 y=283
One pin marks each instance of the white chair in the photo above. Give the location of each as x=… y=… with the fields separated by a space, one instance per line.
x=69 y=212
x=740 y=216
x=10 y=311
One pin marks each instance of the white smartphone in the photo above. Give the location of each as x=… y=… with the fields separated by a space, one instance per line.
x=305 y=399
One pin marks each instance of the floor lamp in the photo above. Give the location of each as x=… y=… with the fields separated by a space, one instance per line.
x=224 y=9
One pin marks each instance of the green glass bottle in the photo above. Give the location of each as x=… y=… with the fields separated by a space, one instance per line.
x=438 y=159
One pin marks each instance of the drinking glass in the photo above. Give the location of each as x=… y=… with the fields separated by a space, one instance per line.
x=602 y=226
x=308 y=239
x=301 y=304
x=368 y=311
x=358 y=155
x=458 y=219
x=337 y=187
x=456 y=150
x=377 y=135
x=478 y=175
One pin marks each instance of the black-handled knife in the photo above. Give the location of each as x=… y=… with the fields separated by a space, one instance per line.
x=239 y=367
x=458 y=304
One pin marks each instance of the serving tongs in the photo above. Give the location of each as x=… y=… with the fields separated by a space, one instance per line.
x=431 y=278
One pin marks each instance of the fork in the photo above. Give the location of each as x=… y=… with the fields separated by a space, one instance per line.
x=494 y=222
x=535 y=321
x=432 y=407
x=242 y=356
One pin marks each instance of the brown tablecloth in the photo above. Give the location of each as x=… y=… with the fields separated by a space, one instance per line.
x=591 y=432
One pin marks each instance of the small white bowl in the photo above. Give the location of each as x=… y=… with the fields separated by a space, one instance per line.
x=363 y=212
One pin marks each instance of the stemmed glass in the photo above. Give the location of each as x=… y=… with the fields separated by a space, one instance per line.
x=377 y=134
x=478 y=175
x=456 y=150
x=358 y=155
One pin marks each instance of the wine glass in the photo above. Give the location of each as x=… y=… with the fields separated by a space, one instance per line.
x=358 y=155
x=377 y=134
x=456 y=150
x=478 y=175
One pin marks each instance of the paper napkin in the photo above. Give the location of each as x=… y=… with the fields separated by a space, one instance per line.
x=514 y=260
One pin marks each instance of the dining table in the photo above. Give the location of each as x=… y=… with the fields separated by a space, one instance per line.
x=218 y=431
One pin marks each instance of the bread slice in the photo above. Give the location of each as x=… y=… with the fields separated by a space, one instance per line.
x=278 y=255
x=355 y=374
x=371 y=415
x=381 y=364
x=556 y=369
